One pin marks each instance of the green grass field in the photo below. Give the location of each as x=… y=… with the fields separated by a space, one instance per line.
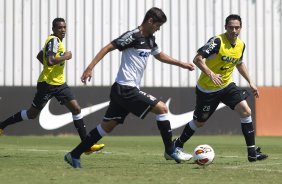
x=39 y=159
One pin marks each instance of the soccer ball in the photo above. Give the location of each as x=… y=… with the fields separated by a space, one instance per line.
x=203 y=155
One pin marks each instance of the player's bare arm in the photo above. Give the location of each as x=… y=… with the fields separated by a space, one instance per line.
x=40 y=56
x=199 y=61
x=52 y=60
x=242 y=68
x=87 y=74
x=169 y=60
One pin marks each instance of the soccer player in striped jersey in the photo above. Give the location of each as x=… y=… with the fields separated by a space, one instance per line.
x=217 y=60
x=126 y=97
x=51 y=83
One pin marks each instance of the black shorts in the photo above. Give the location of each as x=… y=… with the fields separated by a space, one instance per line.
x=206 y=103
x=46 y=91
x=126 y=99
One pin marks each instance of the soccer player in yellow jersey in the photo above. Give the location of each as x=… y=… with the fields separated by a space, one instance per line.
x=217 y=60
x=51 y=83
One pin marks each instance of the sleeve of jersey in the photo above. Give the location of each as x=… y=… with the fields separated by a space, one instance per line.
x=124 y=41
x=210 y=48
x=241 y=59
x=52 y=47
x=155 y=50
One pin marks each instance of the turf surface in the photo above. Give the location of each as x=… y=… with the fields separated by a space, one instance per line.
x=39 y=159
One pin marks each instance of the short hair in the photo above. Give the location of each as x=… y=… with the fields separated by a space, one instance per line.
x=56 y=20
x=233 y=17
x=156 y=14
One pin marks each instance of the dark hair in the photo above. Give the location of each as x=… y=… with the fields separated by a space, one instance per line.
x=233 y=17
x=56 y=20
x=156 y=14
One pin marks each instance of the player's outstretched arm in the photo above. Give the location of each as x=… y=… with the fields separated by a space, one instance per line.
x=87 y=74
x=162 y=57
x=242 y=68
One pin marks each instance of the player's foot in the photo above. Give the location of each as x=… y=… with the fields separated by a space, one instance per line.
x=75 y=163
x=258 y=155
x=1 y=131
x=178 y=155
x=94 y=148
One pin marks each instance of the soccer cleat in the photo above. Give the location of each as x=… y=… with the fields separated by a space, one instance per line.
x=178 y=155
x=75 y=163
x=1 y=131
x=259 y=156
x=94 y=148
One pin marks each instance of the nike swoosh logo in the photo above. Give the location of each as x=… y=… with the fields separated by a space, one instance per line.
x=179 y=120
x=49 y=121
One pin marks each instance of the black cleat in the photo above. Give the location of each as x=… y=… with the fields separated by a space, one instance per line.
x=259 y=156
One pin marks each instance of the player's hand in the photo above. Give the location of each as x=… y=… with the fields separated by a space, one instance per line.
x=68 y=55
x=216 y=78
x=87 y=75
x=189 y=66
x=254 y=89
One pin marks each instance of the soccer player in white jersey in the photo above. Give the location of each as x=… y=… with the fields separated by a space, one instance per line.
x=126 y=97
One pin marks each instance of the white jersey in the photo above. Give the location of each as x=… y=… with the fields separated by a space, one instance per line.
x=136 y=50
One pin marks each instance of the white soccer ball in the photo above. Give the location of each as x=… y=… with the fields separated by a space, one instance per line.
x=203 y=155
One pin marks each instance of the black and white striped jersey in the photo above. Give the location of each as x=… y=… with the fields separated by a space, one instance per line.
x=136 y=50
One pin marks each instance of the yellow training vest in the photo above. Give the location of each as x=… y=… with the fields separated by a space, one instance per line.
x=223 y=63
x=54 y=74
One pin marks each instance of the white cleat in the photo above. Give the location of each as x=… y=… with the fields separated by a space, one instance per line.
x=178 y=155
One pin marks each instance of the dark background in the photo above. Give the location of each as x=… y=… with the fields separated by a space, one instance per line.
x=13 y=99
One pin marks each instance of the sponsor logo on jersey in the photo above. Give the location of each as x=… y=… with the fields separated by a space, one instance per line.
x=127 y=41
x=144 y=54
x=230 y=59
x=212 y=45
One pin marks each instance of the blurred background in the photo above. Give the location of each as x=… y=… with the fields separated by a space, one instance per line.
x=91 y=24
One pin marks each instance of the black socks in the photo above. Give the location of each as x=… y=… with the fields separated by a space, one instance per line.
x=11 y=120
x=166 y=133
x=81 y=129
x=249 y=134
x=186 y=134
x=91 y=138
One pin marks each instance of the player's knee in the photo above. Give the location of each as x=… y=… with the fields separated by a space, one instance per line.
x=31 y=115
x=246 y=112
x=108 y=126
x=76 y=110
x=200 y=122
x=161 y=108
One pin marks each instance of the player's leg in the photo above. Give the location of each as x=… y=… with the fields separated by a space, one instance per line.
x=66 y=97
x=163 y=123
x=206 y=104
x=115 y=115
x=75 y=109
x=96 y=134
x=22 y=115
x=140 y=104
x=244 y=112
x=235 y=98
x=39 y=101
